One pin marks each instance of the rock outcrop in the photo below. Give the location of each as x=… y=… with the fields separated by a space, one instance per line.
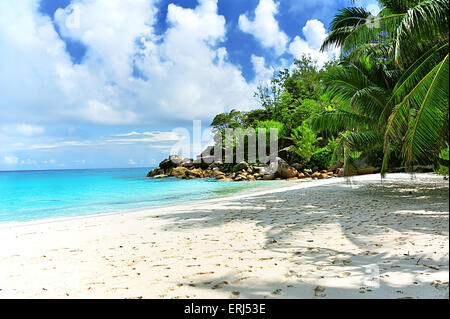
x=207 y=167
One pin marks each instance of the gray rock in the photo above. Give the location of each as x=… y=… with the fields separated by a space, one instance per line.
x=215 y=164
x=242 y=166
x=335 y=166
x=187 y=162
x=269 y=177
x=284 y=170
x=155 y=171
x=171 y=162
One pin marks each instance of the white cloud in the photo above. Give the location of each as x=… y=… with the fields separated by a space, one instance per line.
x=265 y=27
x=184 y=72
x=104 y=114
x=10 y=160
x=154 y=137
x=134 y=133
x=373 y=8
x=131 y=162
x=109 y=29
x=22 y=129
x=62 y=144
x=30 y=129
x=47 y=162
x=188 y=73
x=262 y=74
x=144 y=139
x=314 y=33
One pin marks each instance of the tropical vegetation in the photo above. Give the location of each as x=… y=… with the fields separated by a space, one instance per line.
x=387 y=94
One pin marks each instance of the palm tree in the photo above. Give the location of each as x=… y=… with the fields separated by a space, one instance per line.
x=413 y=36
x=360 y=89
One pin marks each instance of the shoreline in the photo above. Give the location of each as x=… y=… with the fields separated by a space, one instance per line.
x=238 y=194
x=315 y=239
x=288 y=185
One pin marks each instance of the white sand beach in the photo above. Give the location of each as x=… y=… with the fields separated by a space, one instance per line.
x=333 y=238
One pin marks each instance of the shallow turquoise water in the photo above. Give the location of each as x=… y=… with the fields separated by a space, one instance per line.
x=33 y=195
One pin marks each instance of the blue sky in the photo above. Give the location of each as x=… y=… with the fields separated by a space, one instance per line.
x=100 y=83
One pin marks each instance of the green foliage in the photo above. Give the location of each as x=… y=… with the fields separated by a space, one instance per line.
x=268 y=125
x=355 y=154
x=322 y=158
x=409 y=40
x=304 y=139
x=294 y=96
x=251 y=118
x=293 y=112
x=444 y=154
x=232 y=119
x=389 y=91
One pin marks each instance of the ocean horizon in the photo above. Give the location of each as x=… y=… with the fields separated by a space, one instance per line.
x=30 y=195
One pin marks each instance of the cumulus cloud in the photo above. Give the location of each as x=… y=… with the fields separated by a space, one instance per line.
x=265 y=27
x=129 y=75
x=101 y=113
x=46 y=162
x=314 y=34
x=109 y=30
x=22 y=129
x=154 y=136
x=10 y=160
x=373 y=8
x=262 y=74
x=189 y=68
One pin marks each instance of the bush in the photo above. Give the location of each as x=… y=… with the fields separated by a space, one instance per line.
x=444 y=155
x=321 y=158
x=268 y=125
x=304 y=139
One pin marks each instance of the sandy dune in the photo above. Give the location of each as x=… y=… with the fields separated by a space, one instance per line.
x=331 y=238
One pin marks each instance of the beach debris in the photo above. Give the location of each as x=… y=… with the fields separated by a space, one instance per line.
x=344 y=274
x=431 y=266
x=220 y=285
x=276 y=291
x=319 y=291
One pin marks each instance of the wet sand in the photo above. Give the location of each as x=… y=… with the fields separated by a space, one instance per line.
x=333 y=238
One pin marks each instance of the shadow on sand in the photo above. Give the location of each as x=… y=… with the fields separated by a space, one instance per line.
x=294 y=224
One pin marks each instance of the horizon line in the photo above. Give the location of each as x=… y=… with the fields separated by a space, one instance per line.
x=72 y=169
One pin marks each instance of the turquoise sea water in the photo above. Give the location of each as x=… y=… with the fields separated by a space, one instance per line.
x=33 y=195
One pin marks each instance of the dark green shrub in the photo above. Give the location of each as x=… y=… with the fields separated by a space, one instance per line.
x=321 y=158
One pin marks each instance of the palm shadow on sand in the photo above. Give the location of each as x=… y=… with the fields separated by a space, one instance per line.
x=420 y=209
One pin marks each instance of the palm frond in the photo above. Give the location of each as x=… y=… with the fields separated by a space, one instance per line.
x=340 y=120
x=427 y=20
x=420 y=121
